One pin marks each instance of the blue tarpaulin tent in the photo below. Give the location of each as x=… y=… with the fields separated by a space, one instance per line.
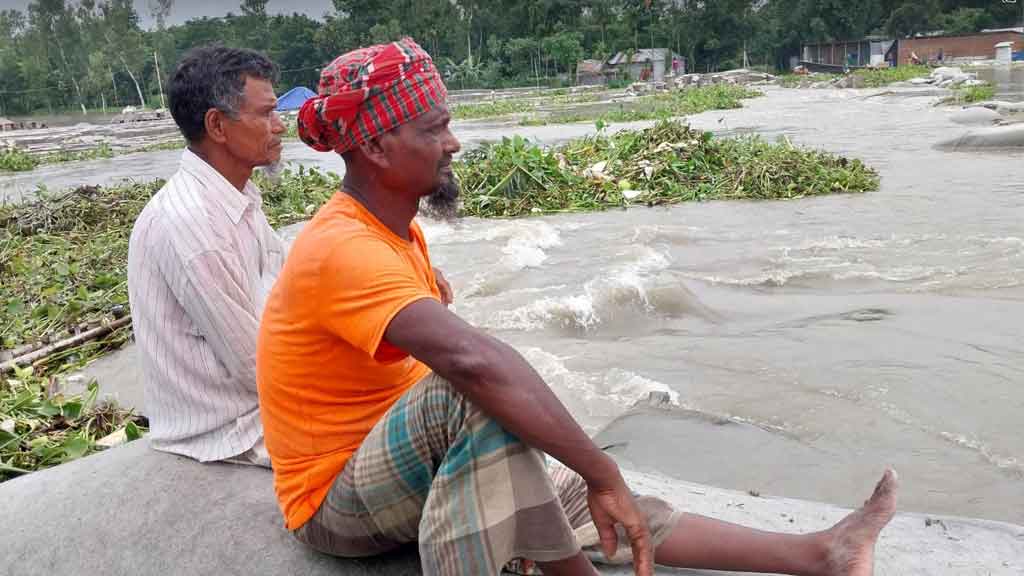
x=293 y=99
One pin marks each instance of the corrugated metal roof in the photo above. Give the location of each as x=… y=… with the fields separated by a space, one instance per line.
x=642 y=55
x=589 y=67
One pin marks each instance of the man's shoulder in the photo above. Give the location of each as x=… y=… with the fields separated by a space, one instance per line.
x=178 y=215
x=333 y=231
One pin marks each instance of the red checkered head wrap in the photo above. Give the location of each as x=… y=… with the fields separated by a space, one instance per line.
x=368 y=92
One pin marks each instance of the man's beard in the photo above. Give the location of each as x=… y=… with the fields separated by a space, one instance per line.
x=443 y=203
x=273 y=170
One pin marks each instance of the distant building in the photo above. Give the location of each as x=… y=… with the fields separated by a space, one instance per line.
x=926 y=48
x=941 y=49
x=6 y=125
x=848 y=54
x=647 y=64
x=591 y=73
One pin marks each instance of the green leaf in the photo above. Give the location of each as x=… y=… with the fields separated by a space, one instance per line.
x=131 y=431
x=104 y=281
x=15 y=307
x=72 y=410
x=48 y=409
x=75 y=447
x=6 y=438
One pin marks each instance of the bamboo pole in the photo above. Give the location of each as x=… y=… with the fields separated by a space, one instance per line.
x=94 y=334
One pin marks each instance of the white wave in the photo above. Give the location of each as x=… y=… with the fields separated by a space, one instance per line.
x=471 y=230
x=620 y=288
x=594 y=399
x=526 y=248
x=876 y=397
x=836 y=271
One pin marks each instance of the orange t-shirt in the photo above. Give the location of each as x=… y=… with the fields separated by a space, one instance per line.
x=324 y=371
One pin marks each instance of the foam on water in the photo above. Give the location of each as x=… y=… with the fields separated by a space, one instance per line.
x=594 y=399
x=526 y=248
x=624 y=287
x=875 y=397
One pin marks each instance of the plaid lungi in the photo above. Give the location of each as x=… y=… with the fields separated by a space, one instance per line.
x=438 y=471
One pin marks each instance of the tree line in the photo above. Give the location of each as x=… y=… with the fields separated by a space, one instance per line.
x=61 y=55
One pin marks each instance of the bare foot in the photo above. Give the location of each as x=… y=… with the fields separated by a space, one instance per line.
x=852 y=540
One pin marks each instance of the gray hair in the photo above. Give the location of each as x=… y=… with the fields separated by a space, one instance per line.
x=213 y=77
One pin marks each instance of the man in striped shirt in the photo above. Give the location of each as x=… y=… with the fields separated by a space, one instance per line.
x=202 y=258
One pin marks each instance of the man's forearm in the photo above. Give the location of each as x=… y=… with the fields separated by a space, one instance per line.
x=508 y=389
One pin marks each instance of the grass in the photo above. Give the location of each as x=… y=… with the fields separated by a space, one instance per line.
x=63 y=261
x=63 y=258
x=971 y=94
x=879 y=77
x=100 y=152
x=490 y=109
x=17 y=160
x=799 y=80
x=41 y=427
x=169 y=145
x=666 y=164
x=872 y=77
x=499 y=108
x=63 y=264
x=657 y=106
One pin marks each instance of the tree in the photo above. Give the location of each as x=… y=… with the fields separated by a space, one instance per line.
x=467 y=70
x=383 y=32
x=565 y=48
x=254 y=8
x=160 y=10
x=911 y=18
x=124 y=42
x=965 y=21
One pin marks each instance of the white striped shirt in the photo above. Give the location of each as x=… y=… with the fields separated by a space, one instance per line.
x=201 y=261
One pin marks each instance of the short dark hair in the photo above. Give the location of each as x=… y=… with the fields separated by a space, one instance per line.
x=213 y=77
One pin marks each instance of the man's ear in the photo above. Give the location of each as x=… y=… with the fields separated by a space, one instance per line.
x=214 y=123
x=375 y=151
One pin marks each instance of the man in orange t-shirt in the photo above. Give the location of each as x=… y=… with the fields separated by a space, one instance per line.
x=389 y=420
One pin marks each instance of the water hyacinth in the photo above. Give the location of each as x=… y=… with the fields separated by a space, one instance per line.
x=40 y=426
x=63 y=258
x=665 y=164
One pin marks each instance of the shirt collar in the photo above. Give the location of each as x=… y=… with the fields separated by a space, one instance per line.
x=218 y=189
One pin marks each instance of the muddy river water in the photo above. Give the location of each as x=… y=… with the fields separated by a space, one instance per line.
x=877 y=329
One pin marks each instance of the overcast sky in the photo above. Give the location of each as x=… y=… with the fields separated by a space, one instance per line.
x=187 y=9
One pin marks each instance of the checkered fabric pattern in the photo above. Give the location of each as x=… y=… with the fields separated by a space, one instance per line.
x=368 y=92
x=437 y=471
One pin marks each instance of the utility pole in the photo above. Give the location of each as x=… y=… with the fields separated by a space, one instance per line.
x=159 y=81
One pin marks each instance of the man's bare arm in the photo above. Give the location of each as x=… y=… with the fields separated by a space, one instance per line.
x=498 y=380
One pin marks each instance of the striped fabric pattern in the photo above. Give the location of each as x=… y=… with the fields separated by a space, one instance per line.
x=201 y=261
x=438 y=471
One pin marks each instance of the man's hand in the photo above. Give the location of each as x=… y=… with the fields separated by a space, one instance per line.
x=615 y=505
x=447 y=296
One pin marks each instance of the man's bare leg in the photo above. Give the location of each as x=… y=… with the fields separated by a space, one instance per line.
x=846 y=549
